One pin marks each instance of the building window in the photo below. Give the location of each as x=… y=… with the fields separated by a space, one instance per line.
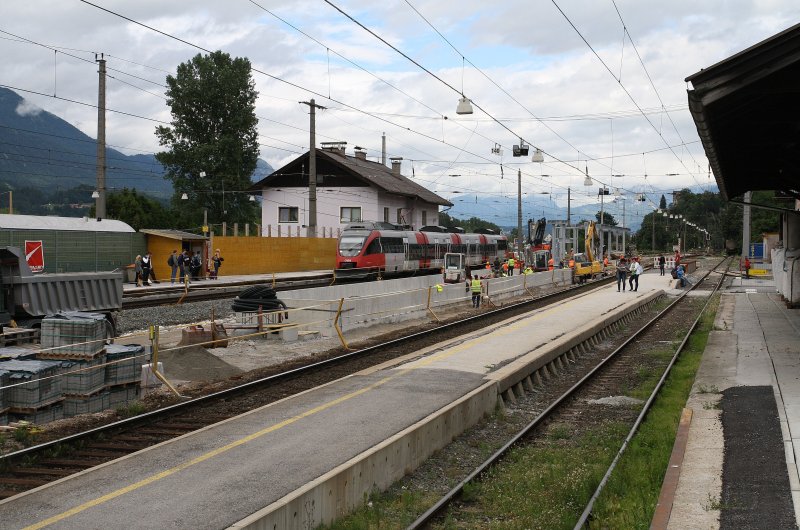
x=386 y=214
x=424 y=218
x=287 y=214
x=350 y=214
x=399 y=216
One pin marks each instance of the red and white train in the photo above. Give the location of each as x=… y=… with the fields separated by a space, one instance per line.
x=372 y=249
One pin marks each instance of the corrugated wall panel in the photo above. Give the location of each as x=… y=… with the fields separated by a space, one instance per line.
x=70 y=251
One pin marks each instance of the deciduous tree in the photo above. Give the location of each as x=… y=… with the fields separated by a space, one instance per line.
x=213 y=131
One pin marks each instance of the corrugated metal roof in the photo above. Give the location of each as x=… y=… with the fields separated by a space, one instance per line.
x=374 y=173
x=173 y=234
x=78 y=224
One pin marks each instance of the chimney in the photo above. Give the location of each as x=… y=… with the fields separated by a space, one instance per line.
x=397 y=162
x=361 y=153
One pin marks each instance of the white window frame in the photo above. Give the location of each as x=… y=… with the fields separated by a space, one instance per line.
x=350 y=218
x=289 y=210
x=385 y=214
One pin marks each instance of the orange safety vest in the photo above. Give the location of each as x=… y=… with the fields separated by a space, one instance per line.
x=550 y=264
x=488 y=266
x=571 y=263
x=505 y=266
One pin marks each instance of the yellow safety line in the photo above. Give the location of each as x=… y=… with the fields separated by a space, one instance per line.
x=202 y=458
x=211 y=454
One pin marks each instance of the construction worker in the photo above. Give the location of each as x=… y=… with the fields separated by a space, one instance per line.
x=475 y=287
x=488 y=265
x=571 y=261
x=511 y=266
x=528 y=270
x=605 y=261
x=551 y=264
x=505 y=268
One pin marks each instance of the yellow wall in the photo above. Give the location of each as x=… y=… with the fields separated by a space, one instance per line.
x=161 y=248
x=260 y=255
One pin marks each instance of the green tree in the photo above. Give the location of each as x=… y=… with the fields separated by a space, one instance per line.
x=662 y=204
x=213 y=131
x=139 y=211
x=608 y=219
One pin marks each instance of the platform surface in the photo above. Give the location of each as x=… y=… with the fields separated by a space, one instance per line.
x=225 y=472
x=755 y=343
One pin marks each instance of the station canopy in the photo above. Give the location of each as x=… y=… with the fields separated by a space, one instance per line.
x=747 y=112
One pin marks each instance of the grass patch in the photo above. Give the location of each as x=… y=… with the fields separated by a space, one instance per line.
x=630 y=497
x=134 y=408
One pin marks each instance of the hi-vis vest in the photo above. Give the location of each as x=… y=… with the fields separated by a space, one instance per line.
x=476 y=286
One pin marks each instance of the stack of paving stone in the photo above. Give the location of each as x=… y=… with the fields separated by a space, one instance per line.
x=33 y=390
x=123 y=372
x=78 y=342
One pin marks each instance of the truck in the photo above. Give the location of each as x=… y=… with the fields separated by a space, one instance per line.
x=26 y=298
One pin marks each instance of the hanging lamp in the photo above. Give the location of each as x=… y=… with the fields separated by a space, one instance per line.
x=588 y=180
x=464 y=106
x=538 y=156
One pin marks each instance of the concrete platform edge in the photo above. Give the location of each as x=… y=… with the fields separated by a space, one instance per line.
x=344 y=488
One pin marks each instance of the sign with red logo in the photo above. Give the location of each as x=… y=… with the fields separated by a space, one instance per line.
x=34 y=255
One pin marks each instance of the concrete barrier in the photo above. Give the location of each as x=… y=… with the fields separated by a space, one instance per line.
x=391 y=301
x=344 y=489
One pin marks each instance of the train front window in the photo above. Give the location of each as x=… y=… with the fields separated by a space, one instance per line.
x=351 y=245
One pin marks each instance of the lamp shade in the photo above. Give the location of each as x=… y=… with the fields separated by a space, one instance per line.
x=252 y=198
x=537 y=156
x=464 y=106
x=95 y=194
x=184 y=197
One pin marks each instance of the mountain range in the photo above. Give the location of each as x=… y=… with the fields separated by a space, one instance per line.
x=42 y=151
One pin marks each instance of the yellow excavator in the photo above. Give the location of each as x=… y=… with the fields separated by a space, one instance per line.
x=586 y=266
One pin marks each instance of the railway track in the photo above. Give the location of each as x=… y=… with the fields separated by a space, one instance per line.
x=570 y=407
x=46 y=462
x=207 y=290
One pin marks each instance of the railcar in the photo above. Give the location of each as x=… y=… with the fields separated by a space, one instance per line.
x=375 y=249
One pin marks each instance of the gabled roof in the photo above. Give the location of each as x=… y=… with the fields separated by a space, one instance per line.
x=45 y=222
x=747 y=112
x=173 y=234
x=373 y=173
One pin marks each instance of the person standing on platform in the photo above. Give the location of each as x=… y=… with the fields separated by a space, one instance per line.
x=172 y=261
x=147 y=265
x=661 y=262
x=196 y=266
x=746 y=267
x=475 y=287
x=622 y=271
x=137 y=269
x=183 y=264
x=511 y=266
x=635 y=270
x=216 y=263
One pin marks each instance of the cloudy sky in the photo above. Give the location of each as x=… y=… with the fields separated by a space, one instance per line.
x=595 y=84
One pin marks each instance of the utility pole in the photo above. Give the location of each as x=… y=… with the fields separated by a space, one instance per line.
x=569 y=205
x=653 y=241
x=100 y=205
x=748 y=198
x=311 y=231
x=623 y=225
x=521 y=242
